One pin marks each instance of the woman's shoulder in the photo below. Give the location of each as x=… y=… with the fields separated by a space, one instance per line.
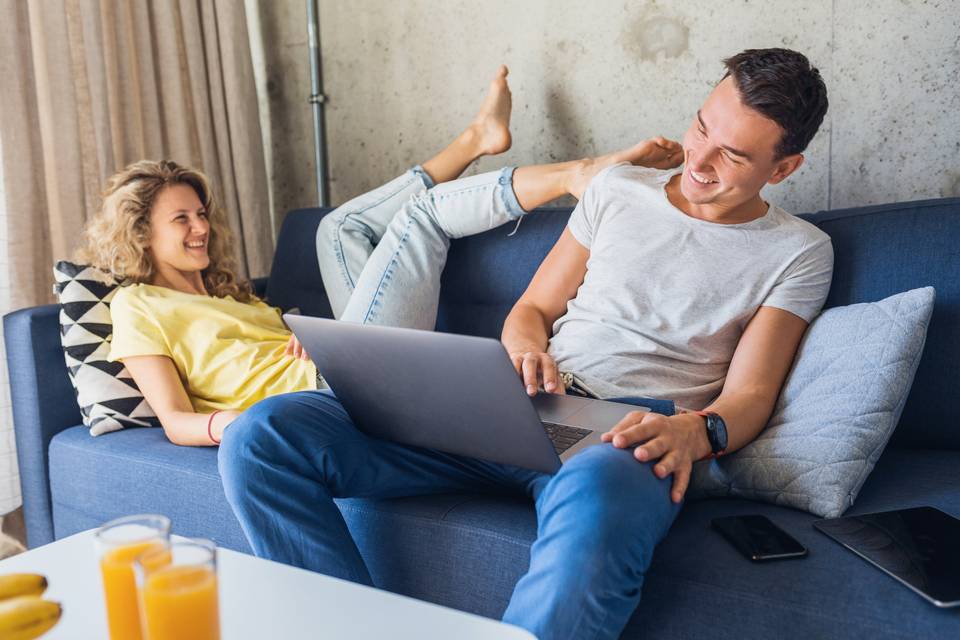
x=137 y=292
x=140 y=299
x=144 y=296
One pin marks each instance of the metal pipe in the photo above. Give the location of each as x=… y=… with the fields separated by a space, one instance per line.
x=317 y=99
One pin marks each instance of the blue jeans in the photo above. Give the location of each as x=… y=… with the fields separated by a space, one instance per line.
x=285 y=459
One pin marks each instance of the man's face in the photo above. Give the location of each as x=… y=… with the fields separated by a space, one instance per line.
x=729 y=151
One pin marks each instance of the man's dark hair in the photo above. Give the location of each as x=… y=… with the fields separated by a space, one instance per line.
x=782 y=85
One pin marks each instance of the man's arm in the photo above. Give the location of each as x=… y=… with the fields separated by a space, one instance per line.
x=757 y=371
x=759 y=367
x=526 y=331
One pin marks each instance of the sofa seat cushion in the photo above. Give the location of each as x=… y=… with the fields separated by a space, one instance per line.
x=830 y=593
x=137 y=470
x=467 y=551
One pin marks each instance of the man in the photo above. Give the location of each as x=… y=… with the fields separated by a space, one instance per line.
x=673 y=284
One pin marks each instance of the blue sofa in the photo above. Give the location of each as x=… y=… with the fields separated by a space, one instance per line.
x=467 y=551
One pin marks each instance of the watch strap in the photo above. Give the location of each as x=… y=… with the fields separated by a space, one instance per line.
x=707 y=415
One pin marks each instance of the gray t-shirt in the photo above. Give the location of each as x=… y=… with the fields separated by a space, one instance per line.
x=667 y=296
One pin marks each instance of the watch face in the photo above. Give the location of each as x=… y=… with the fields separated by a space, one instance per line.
x=722 y=434
x=717 y=429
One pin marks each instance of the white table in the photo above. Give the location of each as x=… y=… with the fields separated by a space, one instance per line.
x=258 y=599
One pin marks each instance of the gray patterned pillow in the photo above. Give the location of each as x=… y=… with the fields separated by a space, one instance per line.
x=108 y=397
x=836 y=412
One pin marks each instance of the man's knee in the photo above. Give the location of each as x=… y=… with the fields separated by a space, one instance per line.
x=609 y=470
x=243 y=441
x=279 y=426
x=616 y=488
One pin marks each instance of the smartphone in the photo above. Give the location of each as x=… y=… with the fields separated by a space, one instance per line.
x=758 y=539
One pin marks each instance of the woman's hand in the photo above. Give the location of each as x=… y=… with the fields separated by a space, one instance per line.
x=537 y=368
x=221 y=421
x=295 y=349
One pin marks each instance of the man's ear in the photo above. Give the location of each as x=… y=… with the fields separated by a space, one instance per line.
x=785 y=167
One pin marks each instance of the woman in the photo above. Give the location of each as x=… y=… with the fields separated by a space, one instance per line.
x=202 y=348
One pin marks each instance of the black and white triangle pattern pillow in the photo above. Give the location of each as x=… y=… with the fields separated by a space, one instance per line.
x=108 y=397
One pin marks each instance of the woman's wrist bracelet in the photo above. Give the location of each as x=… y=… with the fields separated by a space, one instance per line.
x=210 y=426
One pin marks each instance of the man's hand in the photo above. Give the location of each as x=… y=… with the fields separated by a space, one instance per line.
x=537 y=368
x=677 y=441
x=295 y=349
x=659 y=153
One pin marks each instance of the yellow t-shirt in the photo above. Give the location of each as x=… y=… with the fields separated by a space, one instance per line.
x=229 y=354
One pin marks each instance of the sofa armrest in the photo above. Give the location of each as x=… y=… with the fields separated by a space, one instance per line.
x=44 y=404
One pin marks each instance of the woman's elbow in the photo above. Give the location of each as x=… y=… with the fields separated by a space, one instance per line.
x=174 y=432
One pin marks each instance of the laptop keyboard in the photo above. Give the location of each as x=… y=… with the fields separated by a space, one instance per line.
x=563 y=437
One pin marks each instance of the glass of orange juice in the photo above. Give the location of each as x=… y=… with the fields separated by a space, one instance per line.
x=119 y=542
x=178 y=591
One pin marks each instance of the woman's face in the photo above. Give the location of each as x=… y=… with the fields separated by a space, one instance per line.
x=179 y=230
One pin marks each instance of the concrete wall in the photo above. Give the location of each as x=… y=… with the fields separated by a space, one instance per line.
x=404 y=77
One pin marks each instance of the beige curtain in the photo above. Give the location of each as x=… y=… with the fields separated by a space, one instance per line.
x=88 y=86
x=111 y=82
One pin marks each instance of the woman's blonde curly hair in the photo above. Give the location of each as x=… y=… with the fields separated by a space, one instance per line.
x=115 y=240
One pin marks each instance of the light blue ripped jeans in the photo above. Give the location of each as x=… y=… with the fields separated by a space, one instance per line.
x=382 y=253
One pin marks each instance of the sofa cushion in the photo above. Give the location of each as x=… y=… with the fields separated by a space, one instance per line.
x=832 y=593
x=840 y=403
x=884 y=249
x=485 y=274
x=137 y=470
x=109 y=399
x=295 y=273
x=483 y=277
x=467 y=551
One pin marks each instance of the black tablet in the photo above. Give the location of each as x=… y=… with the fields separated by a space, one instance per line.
x=920 y=547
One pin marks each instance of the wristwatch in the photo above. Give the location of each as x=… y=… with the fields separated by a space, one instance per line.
x=716 y=432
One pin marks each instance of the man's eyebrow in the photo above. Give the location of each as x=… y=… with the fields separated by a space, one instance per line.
x=736 y=152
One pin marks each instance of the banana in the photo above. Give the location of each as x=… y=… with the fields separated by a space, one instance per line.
x=27 y=617
x=22 y=584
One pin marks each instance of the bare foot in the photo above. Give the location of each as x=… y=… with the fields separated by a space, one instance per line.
x=659 y=153
x=487 y=134
x=490 y=130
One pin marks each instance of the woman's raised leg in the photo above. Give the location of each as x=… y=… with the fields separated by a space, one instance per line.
x=539 y=184
x=400 y=284
x=348 y=235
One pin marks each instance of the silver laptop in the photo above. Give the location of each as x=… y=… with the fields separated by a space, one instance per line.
x=453 y=393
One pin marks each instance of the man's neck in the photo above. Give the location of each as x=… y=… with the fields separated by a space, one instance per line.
x=718 y=214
